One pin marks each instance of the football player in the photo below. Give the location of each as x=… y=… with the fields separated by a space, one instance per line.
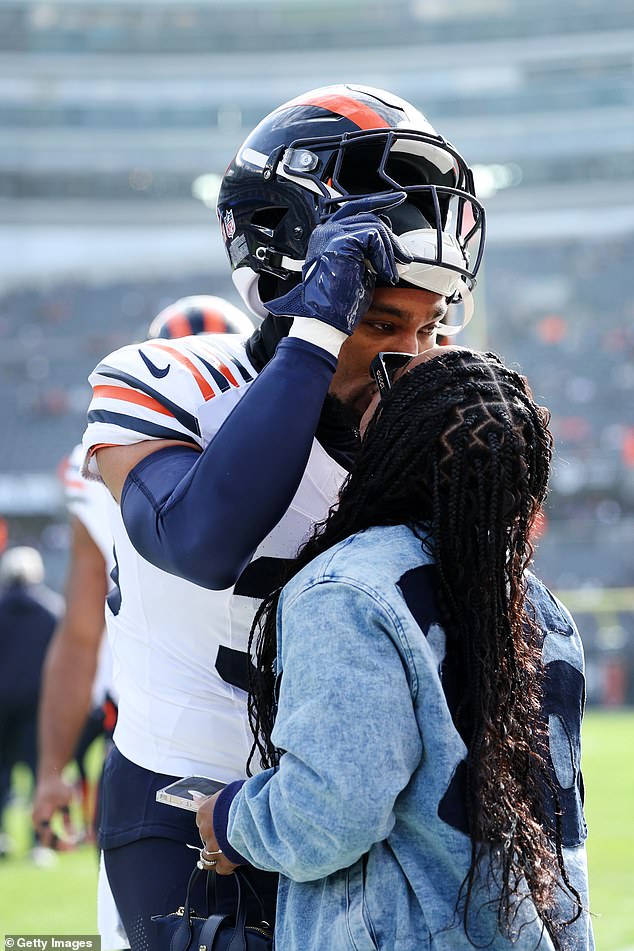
x=350 y=227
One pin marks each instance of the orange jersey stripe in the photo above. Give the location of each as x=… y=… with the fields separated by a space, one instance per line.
x=363 y=116
x=224 y=369
x=203 y=386
x=131 y=396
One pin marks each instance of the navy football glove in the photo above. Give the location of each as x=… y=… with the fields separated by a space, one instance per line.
x=346 y=256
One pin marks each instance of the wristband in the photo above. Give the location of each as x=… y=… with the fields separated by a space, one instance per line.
x=318 y=333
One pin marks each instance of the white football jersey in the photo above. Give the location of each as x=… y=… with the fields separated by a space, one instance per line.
x=173 y=641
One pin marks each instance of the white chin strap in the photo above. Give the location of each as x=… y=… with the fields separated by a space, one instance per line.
x=434 y=277
x=449 y=330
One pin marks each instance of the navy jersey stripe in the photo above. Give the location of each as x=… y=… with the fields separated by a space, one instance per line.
x=137 y=425
x=219 y=378
x=113 y=599
x=186 y=419
x=230 y=358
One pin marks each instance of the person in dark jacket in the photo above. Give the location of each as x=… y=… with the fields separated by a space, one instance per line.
x=28 y=615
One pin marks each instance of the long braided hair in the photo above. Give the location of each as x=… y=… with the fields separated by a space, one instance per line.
x=459 y=451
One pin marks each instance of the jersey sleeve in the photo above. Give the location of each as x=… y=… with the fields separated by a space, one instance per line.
x=146 y=391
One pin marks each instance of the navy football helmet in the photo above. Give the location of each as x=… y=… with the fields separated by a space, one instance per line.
x=331 y=145
x=199 y=314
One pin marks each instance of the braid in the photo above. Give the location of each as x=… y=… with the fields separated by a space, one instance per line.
x=459 y=452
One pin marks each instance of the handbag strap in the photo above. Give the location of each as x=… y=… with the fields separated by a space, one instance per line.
x=244 y=878
x=211 y=927
x=209 y=931
x=211 y=883
x=182 y=934
x=239 y=940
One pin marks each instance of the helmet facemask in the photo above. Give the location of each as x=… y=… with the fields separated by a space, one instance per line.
x=433 y=175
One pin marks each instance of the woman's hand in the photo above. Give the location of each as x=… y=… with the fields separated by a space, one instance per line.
x=211 y=857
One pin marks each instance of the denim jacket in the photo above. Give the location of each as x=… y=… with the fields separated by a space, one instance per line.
x=365 y=817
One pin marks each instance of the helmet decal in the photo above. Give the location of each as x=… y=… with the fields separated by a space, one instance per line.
x=229 y=224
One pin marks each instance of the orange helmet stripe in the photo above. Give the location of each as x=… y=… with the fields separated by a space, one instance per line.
x=213 y=323
x=178 y=326
x=363 y=116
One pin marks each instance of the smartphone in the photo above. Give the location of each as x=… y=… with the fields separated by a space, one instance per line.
x=186 y=793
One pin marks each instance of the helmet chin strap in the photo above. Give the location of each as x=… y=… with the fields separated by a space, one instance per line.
x=466 y=299
x=449 y=330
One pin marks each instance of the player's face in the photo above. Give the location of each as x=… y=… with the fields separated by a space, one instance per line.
x=400 y=319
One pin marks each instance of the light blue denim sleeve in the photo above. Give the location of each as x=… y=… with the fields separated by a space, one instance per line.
x=346 y=721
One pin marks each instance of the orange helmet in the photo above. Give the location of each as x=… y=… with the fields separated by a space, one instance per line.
x=200 y=314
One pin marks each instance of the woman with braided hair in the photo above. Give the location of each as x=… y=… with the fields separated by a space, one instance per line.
x=418 y=692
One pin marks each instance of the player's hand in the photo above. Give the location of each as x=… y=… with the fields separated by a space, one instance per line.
x=52 y=798
x=346 y=256
x=211 y=857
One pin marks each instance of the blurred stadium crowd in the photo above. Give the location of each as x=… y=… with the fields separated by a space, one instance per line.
x=117 y=121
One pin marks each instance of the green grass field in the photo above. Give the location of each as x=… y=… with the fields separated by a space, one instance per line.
x=61 y=900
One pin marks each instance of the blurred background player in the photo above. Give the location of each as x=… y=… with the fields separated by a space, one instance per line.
x=82 y=630
x=78 y=696
x=199 y=314
x=225 y=455
x=28 y=615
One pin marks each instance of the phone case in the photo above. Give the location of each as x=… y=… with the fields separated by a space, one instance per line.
x=179 y=794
